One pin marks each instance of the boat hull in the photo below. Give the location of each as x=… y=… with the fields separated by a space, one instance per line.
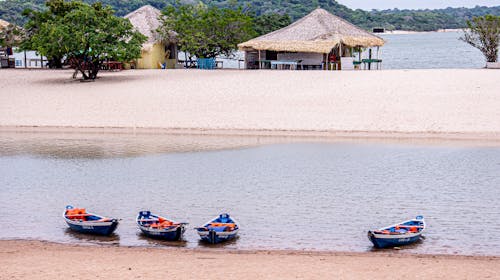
x=214 y=237
x=104 y=228
x=392 y=241
x=174 y=234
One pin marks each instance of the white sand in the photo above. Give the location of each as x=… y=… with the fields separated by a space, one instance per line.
x=401 y=101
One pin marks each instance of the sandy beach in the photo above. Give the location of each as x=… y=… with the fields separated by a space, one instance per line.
x=24 y=259
x=399 y=103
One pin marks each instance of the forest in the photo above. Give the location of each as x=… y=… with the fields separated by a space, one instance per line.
x=395 y=19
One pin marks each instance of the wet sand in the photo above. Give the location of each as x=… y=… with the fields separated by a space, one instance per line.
x=394 y=104
x=42 y=260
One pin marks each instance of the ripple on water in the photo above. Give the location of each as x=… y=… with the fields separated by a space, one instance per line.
x=304 y=196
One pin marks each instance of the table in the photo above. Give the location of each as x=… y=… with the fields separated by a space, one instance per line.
x=263 y=63
x=370 y=61
x=112 y=66
x=189 y=63
x=279 y=64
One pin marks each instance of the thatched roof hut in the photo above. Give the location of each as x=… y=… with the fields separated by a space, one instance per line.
x=158 y=49
x=146 y=20
x=3 y=24
x=318 y=32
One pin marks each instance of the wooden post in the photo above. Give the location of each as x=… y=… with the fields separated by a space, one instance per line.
x=370 y=58
x=340 y=56
x=25 y=65
x=260 y=62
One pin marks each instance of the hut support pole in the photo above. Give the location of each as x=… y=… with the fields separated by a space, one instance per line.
x=340 y=56
x=260 y=61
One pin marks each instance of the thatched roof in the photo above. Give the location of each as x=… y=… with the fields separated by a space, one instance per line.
x=318 y=32
x=146 y=20
x=3 y=23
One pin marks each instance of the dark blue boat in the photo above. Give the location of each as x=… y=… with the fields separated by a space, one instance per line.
x=219 y=229
x=159 y=227
x=400 y=234
x=79 y=220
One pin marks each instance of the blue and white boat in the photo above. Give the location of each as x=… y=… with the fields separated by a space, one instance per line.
x=79 y=220
x=219 y=229
x=159 y=227
x=400 y=234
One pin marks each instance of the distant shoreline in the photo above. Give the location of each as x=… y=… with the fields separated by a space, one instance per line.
x=46 y=260
x=405 y=32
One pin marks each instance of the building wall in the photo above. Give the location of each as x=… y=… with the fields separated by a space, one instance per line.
x=32 y=59
x=307 y=58
x=153 y=58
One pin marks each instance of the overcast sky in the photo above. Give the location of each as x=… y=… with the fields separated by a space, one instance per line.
x=415 y=4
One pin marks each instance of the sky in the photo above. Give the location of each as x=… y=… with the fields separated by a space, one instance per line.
x=415 y=4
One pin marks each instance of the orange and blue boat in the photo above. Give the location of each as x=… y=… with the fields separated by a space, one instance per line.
x=221 y=228
x=159 y=227
x=78 y=219
x=399 y=234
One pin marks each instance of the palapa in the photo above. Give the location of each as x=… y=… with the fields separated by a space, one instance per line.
x=3 y=24
x=318 y=32
x=147 y=20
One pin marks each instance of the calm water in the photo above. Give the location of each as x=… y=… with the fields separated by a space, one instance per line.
x=311 y=196
x=429 y=50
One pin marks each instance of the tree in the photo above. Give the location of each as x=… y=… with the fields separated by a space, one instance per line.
x=266 y=23
x=207 y=31
x=10 y=36
x=484 y=33
x=86 y=35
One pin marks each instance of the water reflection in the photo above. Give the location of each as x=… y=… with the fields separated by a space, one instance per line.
x=158 y=242
x=113 y=239
x=230 y=243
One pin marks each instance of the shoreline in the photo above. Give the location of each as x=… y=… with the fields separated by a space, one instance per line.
x=483 y=138
x=406 y=32
x=47 y=260
x=388 y=252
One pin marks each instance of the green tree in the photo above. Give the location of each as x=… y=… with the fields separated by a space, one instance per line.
x=266 y=23
x=86 y=35
x=207 y=31
x=484 y=33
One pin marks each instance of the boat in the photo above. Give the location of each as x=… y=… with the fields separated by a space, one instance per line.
x=80 y=221
x=400 y=234
x=219 y=229
x=159 y=227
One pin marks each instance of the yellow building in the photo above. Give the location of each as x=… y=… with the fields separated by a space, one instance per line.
x=155 y=52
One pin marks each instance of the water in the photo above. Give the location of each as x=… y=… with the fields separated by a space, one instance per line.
x=300 y=196
x=429 y=50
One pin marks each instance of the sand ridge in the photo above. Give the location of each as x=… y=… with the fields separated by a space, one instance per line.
x=392 y=101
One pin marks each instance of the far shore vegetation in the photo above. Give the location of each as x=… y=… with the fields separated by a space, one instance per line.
x=261 y=10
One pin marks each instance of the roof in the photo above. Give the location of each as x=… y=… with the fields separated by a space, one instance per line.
x=146 y=20
x=318 y=32
x=3 y=23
